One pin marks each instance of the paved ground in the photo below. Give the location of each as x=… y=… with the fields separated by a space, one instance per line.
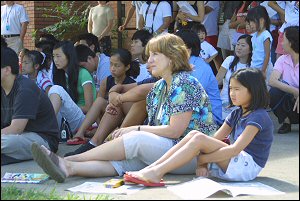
x=281 y=172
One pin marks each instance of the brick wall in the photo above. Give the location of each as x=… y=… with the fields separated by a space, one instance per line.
x=37 y=21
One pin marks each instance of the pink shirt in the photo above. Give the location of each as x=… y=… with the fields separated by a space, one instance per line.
x=289 y=72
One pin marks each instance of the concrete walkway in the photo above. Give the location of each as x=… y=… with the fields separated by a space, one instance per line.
x=281 y=172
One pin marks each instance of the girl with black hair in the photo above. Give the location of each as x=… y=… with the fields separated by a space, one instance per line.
x=259 y=23
x=249 y=126
x=122 y=70
x=74 y=90
x=34 y=65
x=241 y=59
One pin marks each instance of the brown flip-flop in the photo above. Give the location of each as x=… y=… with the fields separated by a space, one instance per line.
x=49 y=163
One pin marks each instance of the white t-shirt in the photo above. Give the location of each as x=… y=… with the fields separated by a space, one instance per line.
x=291 y=15
x=211 y=19
x=12 y=16
x=226 y=63
x=137 y=5
x=144 y=74
x=163 y=10
x=207 y=50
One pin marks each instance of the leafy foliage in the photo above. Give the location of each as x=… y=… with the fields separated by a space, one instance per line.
x=71 y=21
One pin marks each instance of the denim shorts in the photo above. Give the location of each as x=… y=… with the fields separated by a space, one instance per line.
x=240 y=168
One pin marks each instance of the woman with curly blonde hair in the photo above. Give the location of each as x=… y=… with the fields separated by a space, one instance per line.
x=176 y=105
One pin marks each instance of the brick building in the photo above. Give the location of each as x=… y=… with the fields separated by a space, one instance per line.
x=37 y=21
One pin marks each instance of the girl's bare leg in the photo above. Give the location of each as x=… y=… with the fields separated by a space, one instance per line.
x=91 y=117
x=180 y=155
x=136 y=115
x=107 y=124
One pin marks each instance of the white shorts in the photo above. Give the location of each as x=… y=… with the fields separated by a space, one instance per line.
x=240 y=168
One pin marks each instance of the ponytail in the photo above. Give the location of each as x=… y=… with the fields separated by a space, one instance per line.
x=134 y=69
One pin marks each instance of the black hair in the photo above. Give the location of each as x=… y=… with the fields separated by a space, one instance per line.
x=49 y=37
x=90 y=39
x=46 y=46
x=256 y=13
x=197 y=27
x=254 y=81
x=59 y=77
x=143 y=35
x=191 y=40
x=292 y=34
x=237 y=59
x=3 y=42
x=126 y=59
x=10 y=58
x=38 y=58
x=83 y=52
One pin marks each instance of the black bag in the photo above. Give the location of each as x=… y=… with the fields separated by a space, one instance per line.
x=65 y=131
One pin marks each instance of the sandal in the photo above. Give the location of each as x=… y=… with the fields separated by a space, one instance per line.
x=76 y=141
x=49 y=163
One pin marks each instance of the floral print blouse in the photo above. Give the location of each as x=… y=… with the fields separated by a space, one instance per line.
x=185 y=94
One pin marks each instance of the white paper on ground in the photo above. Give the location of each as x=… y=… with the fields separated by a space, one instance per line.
x=201 y=188
x=98 y=187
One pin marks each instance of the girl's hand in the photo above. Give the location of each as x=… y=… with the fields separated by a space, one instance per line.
x=296 y=106
x=111 y=109
x=202 y=171
x=114 y=99
x=123 y=131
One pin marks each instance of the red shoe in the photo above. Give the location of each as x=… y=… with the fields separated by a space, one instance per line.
x=132 y=179
x=76 y=141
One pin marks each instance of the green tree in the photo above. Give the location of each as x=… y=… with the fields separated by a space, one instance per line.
x=71 y=22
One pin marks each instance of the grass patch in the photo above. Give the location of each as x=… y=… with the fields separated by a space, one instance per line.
x=14 y=193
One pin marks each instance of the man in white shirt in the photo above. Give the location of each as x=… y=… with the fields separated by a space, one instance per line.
x=14 y=21
x=155 y=17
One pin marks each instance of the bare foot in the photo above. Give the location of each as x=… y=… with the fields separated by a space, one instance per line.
x=147 y=174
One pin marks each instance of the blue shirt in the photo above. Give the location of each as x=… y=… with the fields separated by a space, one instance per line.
x=103 y=70
x=258 y=53
x=202 y=71
x=259 y=147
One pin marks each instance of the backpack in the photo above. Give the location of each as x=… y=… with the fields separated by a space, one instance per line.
x=65 y=131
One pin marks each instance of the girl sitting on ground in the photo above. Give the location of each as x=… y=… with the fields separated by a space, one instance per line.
x=121 y=68
x=250 y=129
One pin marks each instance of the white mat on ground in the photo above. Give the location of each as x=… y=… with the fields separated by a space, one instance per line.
x=98 y=187
x=201 y=188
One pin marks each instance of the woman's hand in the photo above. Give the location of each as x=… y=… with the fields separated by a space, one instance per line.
x=122 y=131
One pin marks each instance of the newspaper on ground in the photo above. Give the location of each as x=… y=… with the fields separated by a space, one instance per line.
x=99 y=188
x=202 y=187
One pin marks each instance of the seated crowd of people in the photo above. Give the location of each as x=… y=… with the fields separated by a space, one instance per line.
x=170 y=95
